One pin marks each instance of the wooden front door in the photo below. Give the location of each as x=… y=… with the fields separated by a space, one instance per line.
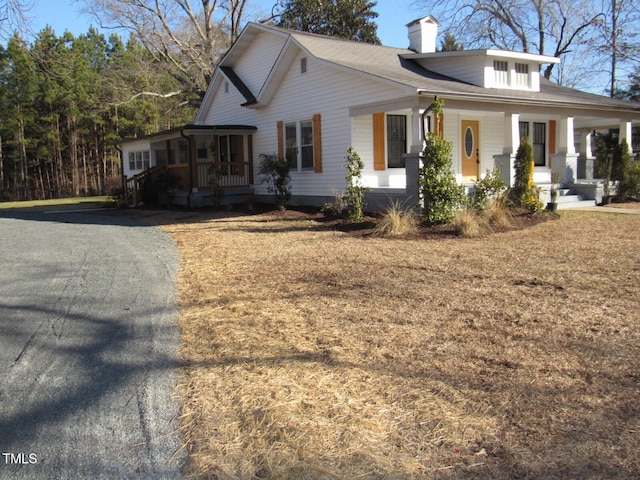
x=470 y=148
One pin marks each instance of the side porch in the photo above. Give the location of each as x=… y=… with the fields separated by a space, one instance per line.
x=193 y=166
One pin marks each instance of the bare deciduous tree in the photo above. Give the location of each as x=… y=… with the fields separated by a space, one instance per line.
x=13 y=16
x=546 y=27
x=186 y=35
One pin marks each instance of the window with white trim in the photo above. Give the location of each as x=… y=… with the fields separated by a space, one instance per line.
x=139 y=161
x=536 y=132
x=298 y=145
x=396 y=140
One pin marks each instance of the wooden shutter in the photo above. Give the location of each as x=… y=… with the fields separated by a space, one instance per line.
x=379 y=161
x=317 y=144
x=552 y=139
x=280 y=140
x=440 y=126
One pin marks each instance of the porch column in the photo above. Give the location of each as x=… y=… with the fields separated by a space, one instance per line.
x=586 y=159
x=506 y=162
x=412 y=159
x=565 y=162
x=417 y=138
x=625 y=134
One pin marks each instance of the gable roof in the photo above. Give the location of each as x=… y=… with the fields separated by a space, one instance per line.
x=396 y=66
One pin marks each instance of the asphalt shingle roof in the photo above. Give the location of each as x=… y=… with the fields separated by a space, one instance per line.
x=387 y=63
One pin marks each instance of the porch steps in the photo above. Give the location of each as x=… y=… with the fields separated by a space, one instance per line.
x=568 y=198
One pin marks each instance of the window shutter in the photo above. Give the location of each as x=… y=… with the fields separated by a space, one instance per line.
x=280 y=140
x=379 y=162
x=440 y=129
x=552 y=139
x=317 y=144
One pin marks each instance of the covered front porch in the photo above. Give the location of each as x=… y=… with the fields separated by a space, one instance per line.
x=484 y=136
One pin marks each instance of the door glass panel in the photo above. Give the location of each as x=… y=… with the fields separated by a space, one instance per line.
x=468 y=142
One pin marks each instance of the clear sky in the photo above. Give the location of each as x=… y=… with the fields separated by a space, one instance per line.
x=64 y=15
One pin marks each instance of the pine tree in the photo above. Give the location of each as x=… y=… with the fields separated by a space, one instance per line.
x=350 y=19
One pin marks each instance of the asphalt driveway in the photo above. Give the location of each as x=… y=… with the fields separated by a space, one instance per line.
x=88 y=348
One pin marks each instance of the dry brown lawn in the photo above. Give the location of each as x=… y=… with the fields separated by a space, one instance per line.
x=316 y=354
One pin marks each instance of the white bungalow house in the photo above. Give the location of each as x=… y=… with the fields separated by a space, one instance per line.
x=308 y=98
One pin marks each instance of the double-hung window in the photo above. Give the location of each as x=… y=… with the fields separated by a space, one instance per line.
x=536 y=132
x=298 y=139
x=396 y=140
x=139 y=161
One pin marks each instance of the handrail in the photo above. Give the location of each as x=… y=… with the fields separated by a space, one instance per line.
x=132 y=184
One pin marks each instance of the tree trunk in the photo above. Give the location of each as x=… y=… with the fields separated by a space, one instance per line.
x=614 y=46
x=1 y=171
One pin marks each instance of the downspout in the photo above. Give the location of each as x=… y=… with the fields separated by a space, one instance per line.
x=123 y=181
x=190 y=167
x=426 y=125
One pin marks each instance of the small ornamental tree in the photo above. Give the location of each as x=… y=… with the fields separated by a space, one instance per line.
x=525 y=193
x=440 y=194
x=276 y=173
x=355 y=189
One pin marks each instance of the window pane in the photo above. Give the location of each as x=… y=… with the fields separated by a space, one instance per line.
x=291 y=143
x=396 y=140
x=524 y=130
x=307 y=157
x=468 y=142
x=306 y=140
x=306 y=133
x=138 y=160
x=132 y=161
x=539 y=143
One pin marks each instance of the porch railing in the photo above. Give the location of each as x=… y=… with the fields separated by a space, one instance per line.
x=133 y=185
x=229 y=174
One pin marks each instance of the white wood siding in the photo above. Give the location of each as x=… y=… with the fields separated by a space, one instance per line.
x=323 y=90
x=329 y=92
x=254 y=65
x=137 y=146
x=226 y=108
x=468 y=69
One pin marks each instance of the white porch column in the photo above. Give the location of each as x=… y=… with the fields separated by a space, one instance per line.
x=625 y=133
x=566 y=144
x=511 y=133
x=412 y=159
x=565 y=162
x=586 y=159
x=417 y=137
x=506 y=162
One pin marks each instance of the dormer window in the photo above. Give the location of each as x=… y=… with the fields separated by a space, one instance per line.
x=522 y=75
x=501 y=71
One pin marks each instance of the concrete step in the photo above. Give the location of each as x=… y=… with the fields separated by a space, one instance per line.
x=568 y=198
x=567 y=202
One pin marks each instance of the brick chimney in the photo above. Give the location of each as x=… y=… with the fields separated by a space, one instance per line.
x=422 y=34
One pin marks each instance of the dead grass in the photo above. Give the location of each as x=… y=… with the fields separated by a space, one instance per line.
x=316 y=354
x=396 y=220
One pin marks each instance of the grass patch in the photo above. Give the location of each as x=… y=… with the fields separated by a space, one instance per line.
x=315 y=354
x=83 y=202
